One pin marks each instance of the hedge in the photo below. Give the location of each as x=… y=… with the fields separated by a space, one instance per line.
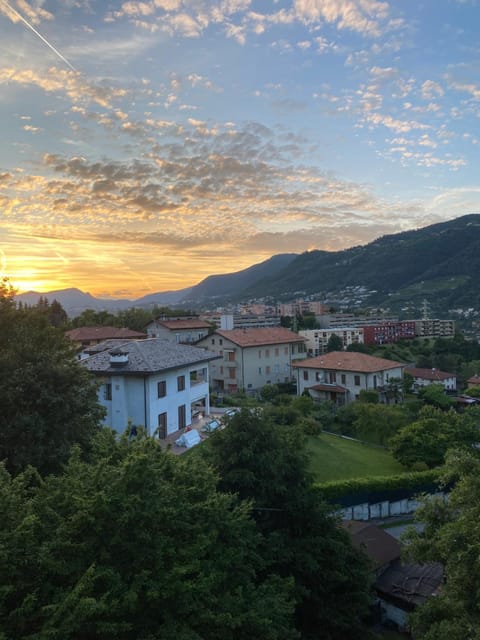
x=379 y=488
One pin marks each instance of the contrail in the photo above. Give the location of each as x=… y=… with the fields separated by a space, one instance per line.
x=20 y=17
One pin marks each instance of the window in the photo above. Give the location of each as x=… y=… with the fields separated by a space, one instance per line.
x=213 y=340
x=260 y=371
x=267 y=370
x=259 y=353
x=285 y=351
x=267 y=353
x=162 y=425
x=231 y=356
x=180 y=383
x=221 y=370
x=231 y=372
x=182 y=416
x=344 y=379
x=276 y=351
x=107 y=393
x=220 y=341
x=305 y=375
x=162 y=388
x=357 y=381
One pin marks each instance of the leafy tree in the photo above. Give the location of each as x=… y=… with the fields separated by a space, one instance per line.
x=267 y=464
x=473 y=392
x=48 y=400
x=358 y=347
x=394 y=390
x=429 y=438
x=368 y=396
x=378 y=423
x=137 y=544
x=451 y=536
x=335 y=343
x=434 y=394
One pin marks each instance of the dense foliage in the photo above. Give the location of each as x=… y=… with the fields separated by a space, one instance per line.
x=266 y=463
x=48 y=400
x=452 y=537
x=136 y=544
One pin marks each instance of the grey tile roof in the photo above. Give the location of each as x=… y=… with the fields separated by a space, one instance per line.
x=148 y=356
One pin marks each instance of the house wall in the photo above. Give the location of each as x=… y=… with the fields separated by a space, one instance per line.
x=346 y=379
x=135 y=399
x=156 y=330
x=450 y=384
x=317 y=339
x=250 y=368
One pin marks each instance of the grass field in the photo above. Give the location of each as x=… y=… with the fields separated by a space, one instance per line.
x=334 y=458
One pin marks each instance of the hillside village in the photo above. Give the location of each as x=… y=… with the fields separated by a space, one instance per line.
x=366 y=409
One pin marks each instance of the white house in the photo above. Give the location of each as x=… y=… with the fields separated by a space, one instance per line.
x=317 y=339
x=252 y=358
x=152 y=383
x=339 y=376
x=180 y=330
x=426 y=377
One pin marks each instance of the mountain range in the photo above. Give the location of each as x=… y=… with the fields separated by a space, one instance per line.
x=439 y=263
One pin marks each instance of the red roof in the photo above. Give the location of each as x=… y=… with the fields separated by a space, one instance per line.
x=348 y=361
x=184 y=324
x=429 y=374
x=83 y=334
x=474 y=380
x=260 y=336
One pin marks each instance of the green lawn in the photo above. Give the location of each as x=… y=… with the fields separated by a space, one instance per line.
x=334 y=458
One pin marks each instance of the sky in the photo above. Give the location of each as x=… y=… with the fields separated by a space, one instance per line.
x=147 y=145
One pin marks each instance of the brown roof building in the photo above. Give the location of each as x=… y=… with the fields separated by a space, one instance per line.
x=339 y=376
x=179 y=330
x=252 y=358
x=425 y=377
x=87 y=336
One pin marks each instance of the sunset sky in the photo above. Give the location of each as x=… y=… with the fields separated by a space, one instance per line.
x=146 y=145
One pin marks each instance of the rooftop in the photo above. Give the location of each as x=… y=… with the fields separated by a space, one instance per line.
x=429 y=374
x=82 y=334
x=147 y=356
x=348 y=361
x=188 y=323
x=260 y=336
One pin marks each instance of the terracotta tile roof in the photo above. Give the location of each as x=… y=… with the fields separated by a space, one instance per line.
x=184 y=324
x=348 y=361
x=101 y=333
x=429 y=374
x=380 y=546
x=474 y=380
x=148 y=356
x=260 y=336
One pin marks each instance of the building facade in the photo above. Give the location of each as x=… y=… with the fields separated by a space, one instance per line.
x=152 y=383
x=179 y=330
x=252 y=358
x=316 y=340
x=339 y=376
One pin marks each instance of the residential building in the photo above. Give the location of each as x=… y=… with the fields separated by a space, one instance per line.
x=155 y=383
x=474 y=381
x=242 y=320
x=428 y=328
x=389 y=332
x=179 y=330
x=87 y=336
x=425 y=377
x=252 y=358
x=316 y=340
x=339 y=376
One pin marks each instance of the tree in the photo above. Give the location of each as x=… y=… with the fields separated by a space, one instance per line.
x=267 y=464
x=434 y=394
x=48 y=400
x=378 y=423
x=335 y=343
x=429 y=438
x=136 y=544
x=451 y=535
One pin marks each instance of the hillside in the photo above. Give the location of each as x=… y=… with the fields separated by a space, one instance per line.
x=440 y=263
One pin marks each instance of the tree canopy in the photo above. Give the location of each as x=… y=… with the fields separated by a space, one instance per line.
x=135 y=544
x=451 y=536
x=267 y=464
x=48 y=400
